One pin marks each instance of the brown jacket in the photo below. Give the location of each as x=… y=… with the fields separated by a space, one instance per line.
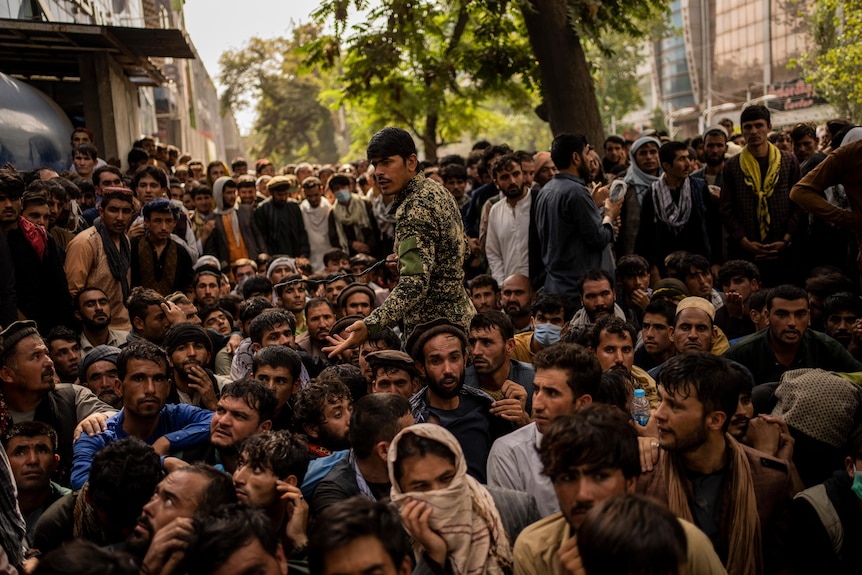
x=773 y=492
x=87 y=265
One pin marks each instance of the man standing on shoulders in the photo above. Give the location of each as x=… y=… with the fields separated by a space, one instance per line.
x=429 y=240
x=755 y=200
x=574 y=236
x=101 y=255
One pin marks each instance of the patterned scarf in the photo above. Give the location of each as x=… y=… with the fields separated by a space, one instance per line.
x=673 y=215
x=119 y=260
x=744 y=556
x=35 y=235
x=463 y=513
x=150 y=277
x=762 y=186
x=86 y=525
x=12 y=526
x=352 y=214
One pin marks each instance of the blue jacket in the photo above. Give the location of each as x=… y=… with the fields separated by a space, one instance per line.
x=184 y=425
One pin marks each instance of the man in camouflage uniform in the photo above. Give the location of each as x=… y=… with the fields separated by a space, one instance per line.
x=429 y=240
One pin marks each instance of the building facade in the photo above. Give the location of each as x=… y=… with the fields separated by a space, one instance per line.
x=727 y=53
x=122 y=68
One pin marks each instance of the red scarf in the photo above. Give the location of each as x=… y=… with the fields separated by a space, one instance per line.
x=35 y=235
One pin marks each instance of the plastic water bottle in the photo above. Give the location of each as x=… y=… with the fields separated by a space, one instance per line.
x=640 y=407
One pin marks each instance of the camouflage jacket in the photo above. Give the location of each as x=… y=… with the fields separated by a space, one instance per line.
x=431 y=246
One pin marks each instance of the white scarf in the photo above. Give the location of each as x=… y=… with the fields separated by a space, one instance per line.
x=674 y=215
x=463 y=513
x=353 y=214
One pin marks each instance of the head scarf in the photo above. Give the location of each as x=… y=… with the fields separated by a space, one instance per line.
x=637 y=177
x=820 y=404
x=463 y=513
x=98 y=353
x=283 y=261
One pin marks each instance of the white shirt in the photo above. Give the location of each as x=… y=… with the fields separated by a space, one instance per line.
x=508 y=245
x=514 y=463
x=317 y=226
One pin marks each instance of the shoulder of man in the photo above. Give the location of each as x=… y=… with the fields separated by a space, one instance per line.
x=765 y=469
x=517 y=509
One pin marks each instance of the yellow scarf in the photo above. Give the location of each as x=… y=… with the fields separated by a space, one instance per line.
x=751 y=172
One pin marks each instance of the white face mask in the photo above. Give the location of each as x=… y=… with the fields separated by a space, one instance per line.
x=547 y=334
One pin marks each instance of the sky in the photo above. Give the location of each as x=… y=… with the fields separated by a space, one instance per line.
x=218 y=25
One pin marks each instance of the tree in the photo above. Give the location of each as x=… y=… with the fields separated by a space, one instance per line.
x=834 y=64
x=425 y=64
x=291 y=122
x=556 y=28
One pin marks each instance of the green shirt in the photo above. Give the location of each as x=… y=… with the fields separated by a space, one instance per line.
x=816 y=350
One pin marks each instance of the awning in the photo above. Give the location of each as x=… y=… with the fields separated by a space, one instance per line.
x=51 y=49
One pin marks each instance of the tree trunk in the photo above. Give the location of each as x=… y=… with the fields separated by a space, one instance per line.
x=429 y=136
x=566 y=82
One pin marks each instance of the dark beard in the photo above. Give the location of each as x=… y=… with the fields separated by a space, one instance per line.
x=330 y=441
x=446 y=393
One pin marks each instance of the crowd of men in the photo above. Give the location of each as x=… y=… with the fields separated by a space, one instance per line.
x=395 y=366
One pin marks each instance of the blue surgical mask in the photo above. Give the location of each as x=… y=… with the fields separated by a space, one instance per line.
x=547 y=334
x=857 y=483
x=343 y=196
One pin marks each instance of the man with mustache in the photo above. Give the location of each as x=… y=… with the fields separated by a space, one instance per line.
x=439 y=349
x=509 y=382
x=429 y=240
x=98 y=372
x=28 y=386
x=507 y=243
x=517 y=297
x=319 y=317
x=165 y=525
x=612 y=340
x=598 y=299
x=190 y=350
x=590 y=455
x=143 y=369
x=788 y=343
x=93 y=310
x=246 y=407
x=841 y=313
x=101 y=255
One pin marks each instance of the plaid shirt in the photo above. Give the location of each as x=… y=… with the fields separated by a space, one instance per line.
x=739 y=203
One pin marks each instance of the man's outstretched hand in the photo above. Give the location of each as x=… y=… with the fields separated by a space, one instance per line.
x=357 y=334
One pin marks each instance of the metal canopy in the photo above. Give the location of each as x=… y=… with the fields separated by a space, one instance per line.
x=51 y=49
